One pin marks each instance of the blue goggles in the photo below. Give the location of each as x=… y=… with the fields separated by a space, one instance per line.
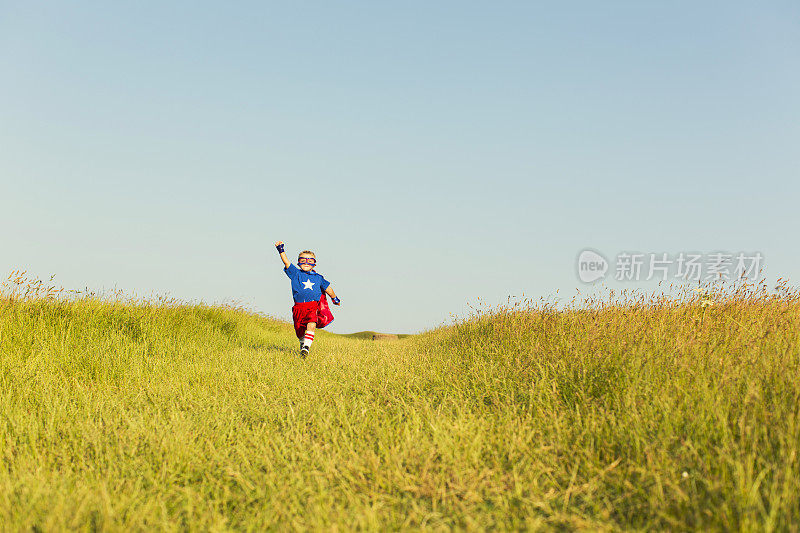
x=306 y=260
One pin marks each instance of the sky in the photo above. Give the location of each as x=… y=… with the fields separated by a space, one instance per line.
x=432 y=154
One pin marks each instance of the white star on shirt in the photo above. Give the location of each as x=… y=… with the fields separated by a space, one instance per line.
x=308 y=284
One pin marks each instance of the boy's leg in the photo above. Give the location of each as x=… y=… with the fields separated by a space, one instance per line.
x=299 y=326
x=301 y=334
x=308 y=338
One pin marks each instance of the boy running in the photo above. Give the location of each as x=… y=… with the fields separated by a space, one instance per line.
x=308 y=289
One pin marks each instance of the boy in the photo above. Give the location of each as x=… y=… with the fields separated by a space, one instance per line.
x=310 y=305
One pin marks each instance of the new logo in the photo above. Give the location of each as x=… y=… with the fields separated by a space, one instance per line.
x=591 y=266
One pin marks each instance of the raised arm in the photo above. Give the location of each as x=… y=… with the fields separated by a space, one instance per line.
x=279 y=246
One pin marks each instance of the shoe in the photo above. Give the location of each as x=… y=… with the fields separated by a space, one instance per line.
x=303 y=352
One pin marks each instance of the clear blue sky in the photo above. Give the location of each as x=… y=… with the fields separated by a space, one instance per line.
x=429 y=152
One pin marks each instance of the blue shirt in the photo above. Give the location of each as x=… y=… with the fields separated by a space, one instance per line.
x=306 y=286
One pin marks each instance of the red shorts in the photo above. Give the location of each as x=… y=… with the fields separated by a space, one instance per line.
x=305 y=312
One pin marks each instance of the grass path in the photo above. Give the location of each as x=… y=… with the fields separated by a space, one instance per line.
x=208 y=419
x=130 y=417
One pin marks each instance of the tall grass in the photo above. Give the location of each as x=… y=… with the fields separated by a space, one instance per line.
x=647 y=411
x=625 y=413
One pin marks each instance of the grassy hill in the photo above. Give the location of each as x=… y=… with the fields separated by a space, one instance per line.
x=367 y=335
x=626 y=415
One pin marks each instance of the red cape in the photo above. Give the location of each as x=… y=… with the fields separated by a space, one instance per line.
x=324 y=315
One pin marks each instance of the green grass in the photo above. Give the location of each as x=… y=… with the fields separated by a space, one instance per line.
x=122 y=416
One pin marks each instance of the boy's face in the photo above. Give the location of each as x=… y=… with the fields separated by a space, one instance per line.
x=306 y=262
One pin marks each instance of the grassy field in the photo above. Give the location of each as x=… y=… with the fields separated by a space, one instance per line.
x=631 y=413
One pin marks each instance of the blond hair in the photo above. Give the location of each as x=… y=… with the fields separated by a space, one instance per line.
x=307 y=252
